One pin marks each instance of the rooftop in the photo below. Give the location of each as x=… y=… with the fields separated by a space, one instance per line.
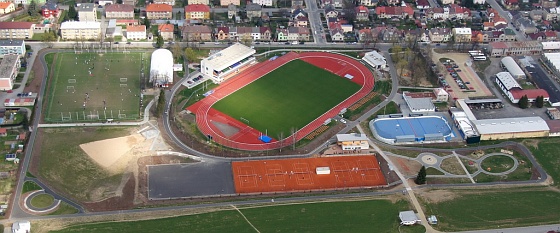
x=86 y=7
x=4 y=5
x=80 y=25
x=159 y=7
x=7 y=65
x=16 y=25
x=511 y=125
x=11 y=43
x=228 y=56
x=197 y=8
x=119 y=8
x=351 y=137
x=137 y=28
x=507 y=80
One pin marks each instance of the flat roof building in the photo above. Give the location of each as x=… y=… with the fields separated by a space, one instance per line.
x=352 y=141
x=376 y=60
x=506 y=128
x=220 y=65
x=78 y=30
x=418 y=105
x=9 y=68
x=512 y=67
x=12 y=47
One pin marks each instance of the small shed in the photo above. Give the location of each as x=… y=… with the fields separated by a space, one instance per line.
x=409 y=218
x=323 y=170
x=3 y=132
x=22 y=136
x=21 y=227
x=11 y=157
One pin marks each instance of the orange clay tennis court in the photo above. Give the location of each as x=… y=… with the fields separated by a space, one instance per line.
x=287 y=175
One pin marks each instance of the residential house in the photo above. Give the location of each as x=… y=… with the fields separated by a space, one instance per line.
x=263 y=2
x=203 y=2
x=391 y=35
x=16 y=30
x=452 y=12
x=231 y=11
x=547 y=3
x=87 y=12
x=166 y=31
x=119 y=11
x=425 y=36
x=519 y=48
x=551 y=35
x=362 y=13
x=536 y=15
x=510 y=4
x=197 y=11
x=169 y=2
x=159 y=11
x=9 y=69
x=525 y=25
x=297 y=3
x=337 y=34
x=136 y=32
x=538 y=36
x=282 y=34
x=411 y=36
x=301 y=21
x=335 y=3
x=253 y=10
x=422 y=4
x=228 y=2
x=550 y=14
x=462 y=35
x=393 y=2
x=7 y=7
x=330 y=12
x=250 y=33
x=365 y=35
x=12 y=47
x=293 y=34
x=388 y=12
x=196 y=33
x=298 y=12
x=80 y=30
x=50 y=9
x=479 y=2
x=369 y=2
x=304 y=34
x=3 y=132
x=222 y=33
x=439 y=35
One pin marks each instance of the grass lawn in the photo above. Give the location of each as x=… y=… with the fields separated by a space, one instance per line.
x=69 y=168
x=482 y=209
x=497 y=163
x=546 y=153
x=111 y=81
x=42 y=200
x=352 y=216
x=63 y=209
x=29 y=186
x=285 y=99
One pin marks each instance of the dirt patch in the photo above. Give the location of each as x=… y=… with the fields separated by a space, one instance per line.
x=437 y=195
x=531 y=143
x=407 y=167
x=107 y=152
x=452 y=166
x=122 y=202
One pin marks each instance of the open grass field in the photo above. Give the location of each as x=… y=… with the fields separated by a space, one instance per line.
x=546 y=153
x=287 y=98
x=482 y=209
x=68 y=168
x=94 y=87
x=42 y=200
x=350 y=216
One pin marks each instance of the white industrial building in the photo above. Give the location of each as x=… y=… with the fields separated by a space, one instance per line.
x=514 y=91
x=553 y=60
x=506 y=128
x=352 y=141
x=161 y=68
x=512 y=67
x=376 y=60
x=222 y=65
x=552 y=45
x=409 y=218
x=465 y=126
x=419 y=105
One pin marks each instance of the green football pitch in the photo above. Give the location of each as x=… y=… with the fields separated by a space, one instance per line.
x=95 y=87
x=287 y=98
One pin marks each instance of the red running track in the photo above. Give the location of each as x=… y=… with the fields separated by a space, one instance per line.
x=246 y=138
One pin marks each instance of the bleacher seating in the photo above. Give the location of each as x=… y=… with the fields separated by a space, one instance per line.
x=317 y=132
x=362 y=101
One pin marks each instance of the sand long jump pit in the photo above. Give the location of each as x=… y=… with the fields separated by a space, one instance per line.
x=108 y=152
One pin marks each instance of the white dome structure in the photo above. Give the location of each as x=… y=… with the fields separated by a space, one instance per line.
x=161 y=68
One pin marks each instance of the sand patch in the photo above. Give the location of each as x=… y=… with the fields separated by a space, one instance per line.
x=437 y=196
x=107 y=152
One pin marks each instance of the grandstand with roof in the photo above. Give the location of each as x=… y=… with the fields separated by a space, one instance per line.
x=227 y=62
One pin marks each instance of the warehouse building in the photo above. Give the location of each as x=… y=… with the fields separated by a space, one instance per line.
x=511 y=66
x=514 y=91
x=507 y=128
x=226 y=63
x=465 y=126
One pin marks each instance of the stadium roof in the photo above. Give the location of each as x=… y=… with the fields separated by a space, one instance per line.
x=161 y=66
x=507 y=80
x=80 y=25
x=228 y=56
x=512 y=67
x=511 y=125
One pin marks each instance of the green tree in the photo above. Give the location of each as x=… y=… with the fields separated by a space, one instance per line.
x=25 y=121
x=523 y=102
x=396 y=50
x=421 y=177
x=119 y=1
x=191 y=55
x=72 y=13
x=540 y=101
x=147 y=23
x=32 y=10
x=159 y=41
x=160 y=104
x=48 y=36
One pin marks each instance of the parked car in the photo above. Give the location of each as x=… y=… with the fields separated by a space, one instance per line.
x=458 y=70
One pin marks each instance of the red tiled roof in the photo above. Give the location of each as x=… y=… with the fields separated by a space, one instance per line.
x=137 y=28
x=197 y=8
x=3 y=130
x=157 y=7
x=554 y=125
x=166 y=28
x=498 y=45
x=550 y=34
x=4 y=5
x=530 y=93
x=15 y=25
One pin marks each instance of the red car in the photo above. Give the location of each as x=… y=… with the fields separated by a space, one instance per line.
x=10 y=91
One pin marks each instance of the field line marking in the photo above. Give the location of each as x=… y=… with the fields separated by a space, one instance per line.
x=464 y=168
x=247 y=220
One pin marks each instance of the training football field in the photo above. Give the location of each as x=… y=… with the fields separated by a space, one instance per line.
x=287 y=98
x=95 y=87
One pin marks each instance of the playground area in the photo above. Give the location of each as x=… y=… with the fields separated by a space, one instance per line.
x=87 y=87
x=292 y=175
x=284 y=105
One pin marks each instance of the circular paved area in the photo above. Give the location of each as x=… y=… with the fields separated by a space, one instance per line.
x=428 y=159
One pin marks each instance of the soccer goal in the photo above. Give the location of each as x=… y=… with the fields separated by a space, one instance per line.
x=69 y=87
x=124 y=80
x=124 y=85
x=71 y=80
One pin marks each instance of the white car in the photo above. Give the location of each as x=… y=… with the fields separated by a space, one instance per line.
x=217 y=43
x=343 y=121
